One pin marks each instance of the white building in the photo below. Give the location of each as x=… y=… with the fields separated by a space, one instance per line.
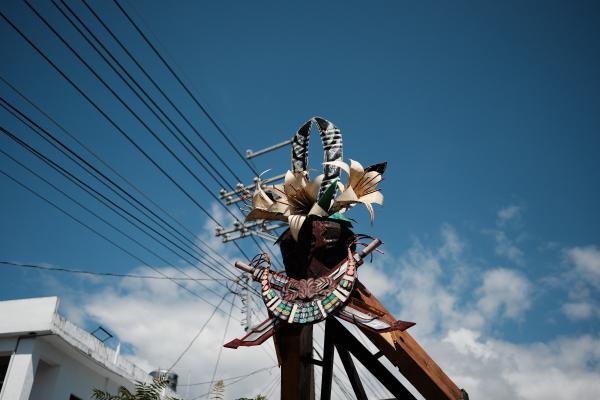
x=45 y=357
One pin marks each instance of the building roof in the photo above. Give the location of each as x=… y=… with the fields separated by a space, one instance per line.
x=39 y=316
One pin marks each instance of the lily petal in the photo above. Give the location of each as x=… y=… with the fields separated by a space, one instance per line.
x=312 y=187
x=367 y=183
x=296 y=222
x=375 y=197
x=260 y=199
x=347 y=195
x=258 y=213
x=356 y=172
x=318 y=210
x=339 y=164
x=294 y=182
x=371 y=212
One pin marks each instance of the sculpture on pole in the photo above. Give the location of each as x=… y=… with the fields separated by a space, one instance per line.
x=318 y=232
x=322 y=256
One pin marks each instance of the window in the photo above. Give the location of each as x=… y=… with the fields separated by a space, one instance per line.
x=4 y=360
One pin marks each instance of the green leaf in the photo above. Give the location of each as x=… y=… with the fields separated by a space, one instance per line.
x=325 y=199
x=341 y=217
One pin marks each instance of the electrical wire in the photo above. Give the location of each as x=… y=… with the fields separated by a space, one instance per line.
x=103 y=199
x=139 y=259
x=203 y=163
x=187 y=90
x=108 y=274
x=108 y=118
x=137 y=94
x=69 y=153
x=189 y=346
x=143 y=70
x=124 y=104
x=220 y=349
x=268 y=393
x=128 y=108
x=160 y=90
x=231 y=378
x=121 y=176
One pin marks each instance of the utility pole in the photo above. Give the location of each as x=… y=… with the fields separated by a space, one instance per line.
x=247 y=302
x=243 y=193
x=294 y=344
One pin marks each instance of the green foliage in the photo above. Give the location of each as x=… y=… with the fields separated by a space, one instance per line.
x=143 y=391
x=217 y=391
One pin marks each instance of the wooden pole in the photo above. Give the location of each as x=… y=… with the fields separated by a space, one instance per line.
x=294 y=351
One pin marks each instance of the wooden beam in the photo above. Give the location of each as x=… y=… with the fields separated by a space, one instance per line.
x=294 y=351
x=328 y=355
x=359 y=390
x=405 y=353
x=345 y=340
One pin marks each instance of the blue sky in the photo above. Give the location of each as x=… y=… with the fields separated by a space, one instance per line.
x=487 y=114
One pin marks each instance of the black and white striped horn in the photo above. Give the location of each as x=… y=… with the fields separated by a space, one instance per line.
x=331 y=138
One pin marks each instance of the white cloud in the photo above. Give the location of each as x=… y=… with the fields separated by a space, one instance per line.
x=579 y=310
x=507 y=225
x=581 y=281
x=493 y=369
x=504 y=292
x=375 y=278
x=509 y=213
x=505 y=247
x=454 y=301
x=159 y=320
x=452 y=245
x=587 y=262
x=431 y=288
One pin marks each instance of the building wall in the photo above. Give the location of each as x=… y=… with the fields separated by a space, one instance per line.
x=62 y=372
x=52 y=358
x=20 y=317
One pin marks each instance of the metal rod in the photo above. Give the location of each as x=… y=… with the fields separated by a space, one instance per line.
x=265 y=226
x=241 y=188
x=251 y=154
x=243 y=234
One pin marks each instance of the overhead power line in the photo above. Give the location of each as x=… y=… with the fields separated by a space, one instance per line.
x=108 y=118
x=101 y=235
x=185 y=87
x=107 y=182
x=132 y=112
x=109 y=274
x=231 y=378
x=129 y=109
x=189 y=346
x=220 y=349
x=160 y=90
x=94 y=154
x=203 y=162
x=111 y=205
x=104 y=200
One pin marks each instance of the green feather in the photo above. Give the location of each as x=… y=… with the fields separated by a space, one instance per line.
x=341 y=217
x=325 y=200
